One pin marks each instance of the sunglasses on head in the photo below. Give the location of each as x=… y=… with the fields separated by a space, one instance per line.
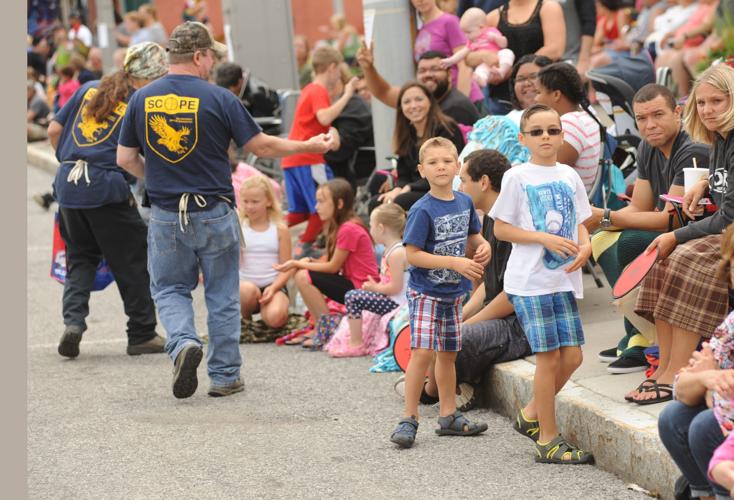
x=537 y=132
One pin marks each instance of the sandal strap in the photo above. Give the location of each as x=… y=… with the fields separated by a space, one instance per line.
x=457 y=422
x=558 y=447
x=408 y=424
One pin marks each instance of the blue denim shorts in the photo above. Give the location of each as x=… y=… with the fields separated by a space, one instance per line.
x=549 y=321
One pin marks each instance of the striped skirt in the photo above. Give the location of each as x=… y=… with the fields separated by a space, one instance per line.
x=686 y=289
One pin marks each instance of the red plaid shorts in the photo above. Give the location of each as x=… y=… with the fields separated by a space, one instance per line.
x=435 y=323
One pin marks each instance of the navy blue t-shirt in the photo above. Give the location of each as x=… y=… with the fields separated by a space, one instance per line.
x=183 y=126
x=440 y=227
x=84 y=138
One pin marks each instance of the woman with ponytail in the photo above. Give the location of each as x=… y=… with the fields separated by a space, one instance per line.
x=97 y=213
x=559 y=86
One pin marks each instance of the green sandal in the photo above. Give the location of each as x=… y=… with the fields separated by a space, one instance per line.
x=528 y=428
x=559 y=451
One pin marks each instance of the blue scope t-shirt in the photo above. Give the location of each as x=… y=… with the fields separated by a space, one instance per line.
x=441 y=227
x=84 y=138
x=183 y=126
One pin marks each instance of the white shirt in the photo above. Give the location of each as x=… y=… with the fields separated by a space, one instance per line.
x=582 y=133
x=261 y=253
x=83 y=34
x=549 y=199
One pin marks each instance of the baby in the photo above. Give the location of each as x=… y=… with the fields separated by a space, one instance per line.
x=482 y=37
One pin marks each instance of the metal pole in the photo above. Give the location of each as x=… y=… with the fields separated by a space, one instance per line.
x=260 y=34
x=106 y=33
x=393 y=54
x=337 y=6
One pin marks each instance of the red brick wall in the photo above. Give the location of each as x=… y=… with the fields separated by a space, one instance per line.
x=169 y=14
x=310 y=15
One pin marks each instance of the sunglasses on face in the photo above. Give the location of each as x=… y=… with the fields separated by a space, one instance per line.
x=537 y=132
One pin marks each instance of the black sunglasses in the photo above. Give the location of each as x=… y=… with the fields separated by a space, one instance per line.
x=537 y=132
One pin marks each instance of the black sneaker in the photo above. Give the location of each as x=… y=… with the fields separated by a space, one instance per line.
x=608 y=355
x=44 y=200
x=627 y=365
x=69 y=342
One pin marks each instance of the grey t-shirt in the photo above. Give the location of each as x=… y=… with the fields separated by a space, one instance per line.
x=721 y=192
x=459 y=107
x=580 y=17
x=39 y=107
x=662 y=173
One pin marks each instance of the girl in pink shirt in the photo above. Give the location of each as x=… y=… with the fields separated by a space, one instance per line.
x=350 y=254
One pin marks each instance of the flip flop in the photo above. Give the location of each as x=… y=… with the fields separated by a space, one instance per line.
x=666 y=389
x=294 y=334
x=641 y=388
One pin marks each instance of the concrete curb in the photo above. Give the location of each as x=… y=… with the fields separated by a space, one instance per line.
x=39 y=157
x=623 y=439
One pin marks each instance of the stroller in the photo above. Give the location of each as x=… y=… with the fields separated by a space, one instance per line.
x=615 y=86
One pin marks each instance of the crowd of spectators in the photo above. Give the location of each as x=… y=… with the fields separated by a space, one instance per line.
x=466 y=91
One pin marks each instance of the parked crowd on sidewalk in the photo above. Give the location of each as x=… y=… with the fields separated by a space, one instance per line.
x=507 y=181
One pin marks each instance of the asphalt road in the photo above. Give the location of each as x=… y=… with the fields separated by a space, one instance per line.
x=307 y=426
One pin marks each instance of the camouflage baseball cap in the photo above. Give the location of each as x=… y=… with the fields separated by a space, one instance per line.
x=191 y=36
x=146 y=60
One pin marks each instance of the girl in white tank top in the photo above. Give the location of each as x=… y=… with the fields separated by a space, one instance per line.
x=267 y=243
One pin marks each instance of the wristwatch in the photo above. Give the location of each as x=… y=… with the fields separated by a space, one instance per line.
x=606 y=219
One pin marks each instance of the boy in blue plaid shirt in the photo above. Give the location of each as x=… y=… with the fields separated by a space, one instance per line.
x=442 y=227
x=541 y=209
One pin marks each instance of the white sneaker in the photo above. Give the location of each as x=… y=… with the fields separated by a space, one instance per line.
x=466 y=400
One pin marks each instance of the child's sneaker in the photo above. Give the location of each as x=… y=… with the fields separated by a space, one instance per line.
x=404 y=433
x=467 y=399
x=559 y=451
x=528 y=428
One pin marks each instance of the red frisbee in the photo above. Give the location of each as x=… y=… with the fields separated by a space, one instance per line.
x=634 y=274
x=401 y=348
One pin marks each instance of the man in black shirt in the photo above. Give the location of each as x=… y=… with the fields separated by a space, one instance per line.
x=38 y=55
x=430 y=73
x=665 y=150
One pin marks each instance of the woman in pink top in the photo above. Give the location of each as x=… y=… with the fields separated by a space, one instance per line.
x=350 y=254
x=441 y=32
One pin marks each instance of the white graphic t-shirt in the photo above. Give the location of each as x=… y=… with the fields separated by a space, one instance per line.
x=549 y=199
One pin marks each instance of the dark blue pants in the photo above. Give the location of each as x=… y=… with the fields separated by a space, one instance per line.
x=691 y=434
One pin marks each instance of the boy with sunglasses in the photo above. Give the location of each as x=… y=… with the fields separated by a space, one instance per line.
x=541 y=209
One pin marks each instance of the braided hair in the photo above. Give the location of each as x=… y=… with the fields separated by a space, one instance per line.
x=564 y=78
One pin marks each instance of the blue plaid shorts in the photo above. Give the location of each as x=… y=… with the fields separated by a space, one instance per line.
x=549 y=321
x=435 y=323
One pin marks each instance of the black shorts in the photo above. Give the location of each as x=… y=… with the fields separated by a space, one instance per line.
x=334 y=286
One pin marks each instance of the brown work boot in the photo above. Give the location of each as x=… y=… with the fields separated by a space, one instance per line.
x=153 y=346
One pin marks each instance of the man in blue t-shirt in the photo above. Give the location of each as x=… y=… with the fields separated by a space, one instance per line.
x=183 y=125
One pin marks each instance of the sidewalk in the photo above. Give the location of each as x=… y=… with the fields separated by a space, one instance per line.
x=591 y=410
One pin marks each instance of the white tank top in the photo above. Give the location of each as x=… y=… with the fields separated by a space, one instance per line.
x=399 y=298
x=261 y=252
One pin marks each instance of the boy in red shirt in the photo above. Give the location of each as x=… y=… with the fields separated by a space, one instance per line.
x=314 y=113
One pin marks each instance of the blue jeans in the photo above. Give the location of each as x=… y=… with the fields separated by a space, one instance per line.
x=211 y=242
x=691 y=434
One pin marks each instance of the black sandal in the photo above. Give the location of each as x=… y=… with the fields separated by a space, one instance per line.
x=554 y=452
x=644 y=385
x=667 y=395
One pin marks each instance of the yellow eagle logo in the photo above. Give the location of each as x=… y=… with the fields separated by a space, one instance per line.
x=170 y=138
x=91 y=127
